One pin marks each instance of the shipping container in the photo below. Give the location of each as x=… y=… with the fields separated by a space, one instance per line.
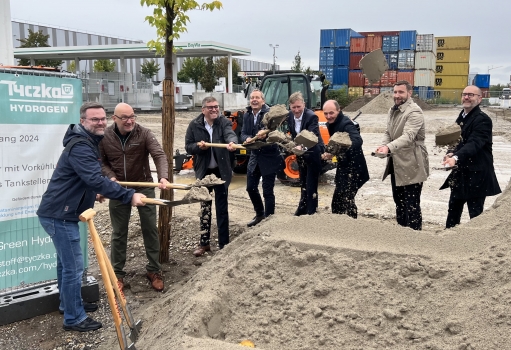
x=391 y=60
x=342 y=37
x=373 y=43
x=451 y=81
x=482 y=80
x=341 y=56
x=340 y=76
x=388 y=78
x=451 y=68
x=358 y=45
x=355 y=60
x=326 y=57
x=406 y=60
x=453 y=43
x=385 y=89
x=426 y=42
x=366 y=83
x=356 y=78
x=390 y=43
x=453 y=56
x=405 y=75
x=424 y=77
x=448 y=95
x=328 y=71
x=356 y=91
x=371 y=91
x=407 y=40
x=327 y=38
x=337 y=87
x=424 y=92
x=384 y=33
x=425 y=60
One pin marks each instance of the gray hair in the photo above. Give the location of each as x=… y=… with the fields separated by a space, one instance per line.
x=208 y=100
x=257 y=90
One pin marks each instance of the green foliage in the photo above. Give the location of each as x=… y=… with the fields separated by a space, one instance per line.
x=37 y=39
x=193 y=69
x=149 y=69
x=341 y=96
x=498 y=87
x=104 y=66
x=297 y=64
x=183 y=78
x=221 y=66
x=208 y=80
x=170 y=19
x=71 y=67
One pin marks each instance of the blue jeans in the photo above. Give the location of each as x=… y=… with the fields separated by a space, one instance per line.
x=66 y=239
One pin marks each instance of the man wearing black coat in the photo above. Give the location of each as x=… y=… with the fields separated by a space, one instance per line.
x=309 y=164
x=474 y=178
x=352 y=170
x=209 y=126
x=263 y=163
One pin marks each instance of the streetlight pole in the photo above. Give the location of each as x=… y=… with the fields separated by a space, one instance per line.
x=493 y=67
x=274 y=57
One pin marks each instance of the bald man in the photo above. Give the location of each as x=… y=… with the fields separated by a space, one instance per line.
x=125 y=153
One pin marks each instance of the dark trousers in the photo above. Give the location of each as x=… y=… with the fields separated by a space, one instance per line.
x=222 y=214
x=309 y=178
x=343 y=200
x=253 y=178
x=475 y=208
x=408 y=204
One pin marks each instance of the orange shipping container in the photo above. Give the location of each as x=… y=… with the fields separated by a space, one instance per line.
x=388 y=78
x=358 y=45
x=356 y=78
x=366 y=83
x=408 y=76
x=373 y=43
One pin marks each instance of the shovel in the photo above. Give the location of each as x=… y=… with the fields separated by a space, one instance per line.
x=446 y=168
x=250 y=146
x=112 y=288
x=169 y=203
x=169 y=185
x=381 y=155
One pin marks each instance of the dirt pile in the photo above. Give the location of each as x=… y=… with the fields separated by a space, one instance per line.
x=209 y=180
x=338 y=141
x=198 y=194
x=357 y=104
x=380 y=104
x=275 y=116
x=422 y=104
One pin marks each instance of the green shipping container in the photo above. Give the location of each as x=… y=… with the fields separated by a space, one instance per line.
x=452 y=56
x=446 y=68
x=453 y=42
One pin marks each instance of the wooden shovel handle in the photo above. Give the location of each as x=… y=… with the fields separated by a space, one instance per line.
x=154 y=184
x=222 y=145
x=152 y=201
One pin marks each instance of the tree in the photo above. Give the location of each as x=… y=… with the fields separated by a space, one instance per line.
x=170 y=19
x=297 y=64
x=221 y=69
x=149 y=69
x=104 y=66
x=193 y=68
x=183 y=78
x=37 y=39
x=71 y=67
x=208 y=80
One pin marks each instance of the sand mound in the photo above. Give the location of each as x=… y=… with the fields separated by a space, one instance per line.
x=422 y=104
x=379 y=104
x=357 y=104
x=328 y=281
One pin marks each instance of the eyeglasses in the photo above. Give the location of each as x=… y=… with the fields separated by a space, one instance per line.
x=468 y=94
x=125 y=119
x=97 y=120
x=210 y=108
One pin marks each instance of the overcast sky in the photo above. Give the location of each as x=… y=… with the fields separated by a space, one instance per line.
x=295 y=25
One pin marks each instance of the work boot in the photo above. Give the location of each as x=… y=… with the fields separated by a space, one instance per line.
x=156 y=280
x=86 y=325
x=255 y=221
x=201 y=250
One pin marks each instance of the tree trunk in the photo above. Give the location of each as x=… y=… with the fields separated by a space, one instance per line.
x=168 y=122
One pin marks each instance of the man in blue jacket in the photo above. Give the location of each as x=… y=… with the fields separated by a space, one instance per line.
x=263 y=163
x=73 y=188
x=309 y=164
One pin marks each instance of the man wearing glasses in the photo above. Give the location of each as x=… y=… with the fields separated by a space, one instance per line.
x=210 y=126
x=125 y=154
x=474 y=178
x=73 y=188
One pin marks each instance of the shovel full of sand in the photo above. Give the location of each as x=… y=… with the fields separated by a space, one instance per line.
x=271 y=120
x=339 y=142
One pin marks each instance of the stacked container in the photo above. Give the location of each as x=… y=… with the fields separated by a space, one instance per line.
x=482 y=81
x=334 y=54
x=425 y=63
x=452 y=66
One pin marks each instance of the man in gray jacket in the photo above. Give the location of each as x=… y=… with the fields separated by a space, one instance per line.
x=407 y=164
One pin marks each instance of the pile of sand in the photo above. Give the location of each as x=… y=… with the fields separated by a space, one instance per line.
x=380 y=104
x=275 y=116
x=422 y=104
x=338 y=141
x=277 y=136
x=306 y=138
x=208 y=180
x=357 y=104
x=198 y=194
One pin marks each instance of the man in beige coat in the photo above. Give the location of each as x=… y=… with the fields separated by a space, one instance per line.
x=407 y=163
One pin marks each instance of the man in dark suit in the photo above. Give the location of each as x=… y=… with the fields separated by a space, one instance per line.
x=474 y=178
x=309 y=164
x=263 y=163
x=352 y=170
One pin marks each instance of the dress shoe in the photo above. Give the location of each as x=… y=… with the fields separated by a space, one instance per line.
x=156 y=280
x=255 y=221
x=85 y=326
x=201 y=250
x=120 y=284
x=88 y=307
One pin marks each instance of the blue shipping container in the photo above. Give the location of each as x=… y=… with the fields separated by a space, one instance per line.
x=391 y=60
x=407 y=40
x=343 y=36
x=390 y=43
x=340 y=76
x=341 y=57
x=328 y=71
x=482 y=81
x=327 y=38
x=424 y=92
x=338 y=87
x=326 y=57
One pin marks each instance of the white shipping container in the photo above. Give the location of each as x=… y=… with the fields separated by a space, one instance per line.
x=425 y=60
x=426 y=42
x=406 y=60
x=424 y=77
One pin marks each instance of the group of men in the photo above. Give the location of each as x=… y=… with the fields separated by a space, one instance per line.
x=96 y=157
